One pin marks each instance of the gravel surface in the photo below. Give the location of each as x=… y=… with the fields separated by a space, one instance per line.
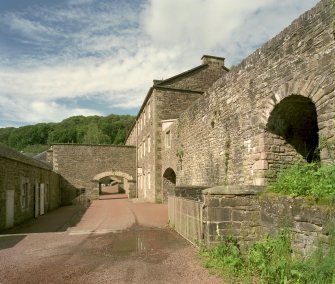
x=96 y=250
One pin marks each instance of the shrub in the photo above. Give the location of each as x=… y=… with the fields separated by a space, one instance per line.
x=271 y=261
x=303 y=179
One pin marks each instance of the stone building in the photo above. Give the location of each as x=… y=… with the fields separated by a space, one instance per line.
x=209 y=127
x=211 y=135
x=275 y=107
x=271 y=109
x=164 y=103
x=84 y=168
x=28 y=188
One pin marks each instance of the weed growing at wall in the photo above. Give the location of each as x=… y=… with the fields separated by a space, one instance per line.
x=271 y=261
x=303 y=179
x=223 y=258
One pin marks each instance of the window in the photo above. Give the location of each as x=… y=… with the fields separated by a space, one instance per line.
x=24 y=195
x=140 y=148
x=144 y=118
x=148 y=175
x=168 y=139
x=149 y=144
x=143 y=147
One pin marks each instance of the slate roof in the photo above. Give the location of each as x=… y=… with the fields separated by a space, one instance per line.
x=6 y=152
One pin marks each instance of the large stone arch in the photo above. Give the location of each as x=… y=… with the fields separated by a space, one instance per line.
x=309 y=87
x=126 y=181
x=289 y=134
x=113 y=173
x=294 y=120
x=169 y=182
x=276 y=143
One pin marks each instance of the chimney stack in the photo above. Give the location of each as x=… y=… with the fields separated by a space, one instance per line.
x=213 y=60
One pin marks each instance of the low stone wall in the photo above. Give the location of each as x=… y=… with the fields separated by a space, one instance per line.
x=308 y=223
x=232 y=214
x=189 y=192
x=249 y=215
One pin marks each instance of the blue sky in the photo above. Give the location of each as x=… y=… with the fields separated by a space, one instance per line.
x=60 y=58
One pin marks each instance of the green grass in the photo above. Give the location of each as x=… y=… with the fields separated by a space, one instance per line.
x=303 y=179
x=271 y=261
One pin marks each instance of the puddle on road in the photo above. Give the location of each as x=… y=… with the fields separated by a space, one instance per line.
x=138 y=241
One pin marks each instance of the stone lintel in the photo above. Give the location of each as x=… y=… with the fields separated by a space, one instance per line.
x=234 y=189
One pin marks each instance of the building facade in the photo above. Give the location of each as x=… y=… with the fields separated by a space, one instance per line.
x=28 y=188
x=164 y=103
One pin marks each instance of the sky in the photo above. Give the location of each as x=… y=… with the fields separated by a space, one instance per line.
x=60 y=58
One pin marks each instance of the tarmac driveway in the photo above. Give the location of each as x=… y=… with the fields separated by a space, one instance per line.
x=115 y=241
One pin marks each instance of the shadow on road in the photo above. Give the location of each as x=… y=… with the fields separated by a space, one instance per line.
x=58 y=220
x=10 y=241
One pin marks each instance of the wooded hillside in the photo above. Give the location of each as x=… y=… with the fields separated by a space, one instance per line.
x=37 y=138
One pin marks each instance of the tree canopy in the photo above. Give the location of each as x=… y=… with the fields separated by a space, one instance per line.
x=111 y=129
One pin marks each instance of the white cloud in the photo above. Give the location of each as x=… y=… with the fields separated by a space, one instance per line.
x=79 y=2
x=23 y=109
x=194 y=22
x=28 y=28
x=227 y=28
x=111 y=51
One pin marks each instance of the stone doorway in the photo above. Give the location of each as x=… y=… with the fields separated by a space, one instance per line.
x=294 y=120
x=169 y=183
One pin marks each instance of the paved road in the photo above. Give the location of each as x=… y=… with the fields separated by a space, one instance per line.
x=114 y=241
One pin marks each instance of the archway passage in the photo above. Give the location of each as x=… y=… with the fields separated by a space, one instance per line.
x=169 y=183
x=295 y=120
x=114 y=185
x=111 y=187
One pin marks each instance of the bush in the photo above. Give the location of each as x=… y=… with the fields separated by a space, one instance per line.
x=223 y=258
x=270 y=258
x=303 y=179
x=271 y=261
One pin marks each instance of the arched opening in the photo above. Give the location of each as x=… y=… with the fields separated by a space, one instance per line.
x=295 y=120
x=114 y=185
x=169 y=183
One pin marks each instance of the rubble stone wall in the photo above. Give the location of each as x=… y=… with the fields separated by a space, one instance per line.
x=226 y=135
x=250 y=218
x=79 y=164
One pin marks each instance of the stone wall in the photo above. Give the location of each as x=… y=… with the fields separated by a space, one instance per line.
x=169 y=158
x=250 y=217
x=166 y=99
x=17 y=174
x=171 y=103
x=199 y=78
x=227 y=134
x=82 y=165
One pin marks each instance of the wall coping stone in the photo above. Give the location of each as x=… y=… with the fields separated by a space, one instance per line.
x=234 y=189
x=93 y=145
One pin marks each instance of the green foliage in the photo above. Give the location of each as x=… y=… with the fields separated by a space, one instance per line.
x=224 y=258
x=271 y=261
x=303 y=179
x=95 y=136
x=271 y=258
x=77 y=129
